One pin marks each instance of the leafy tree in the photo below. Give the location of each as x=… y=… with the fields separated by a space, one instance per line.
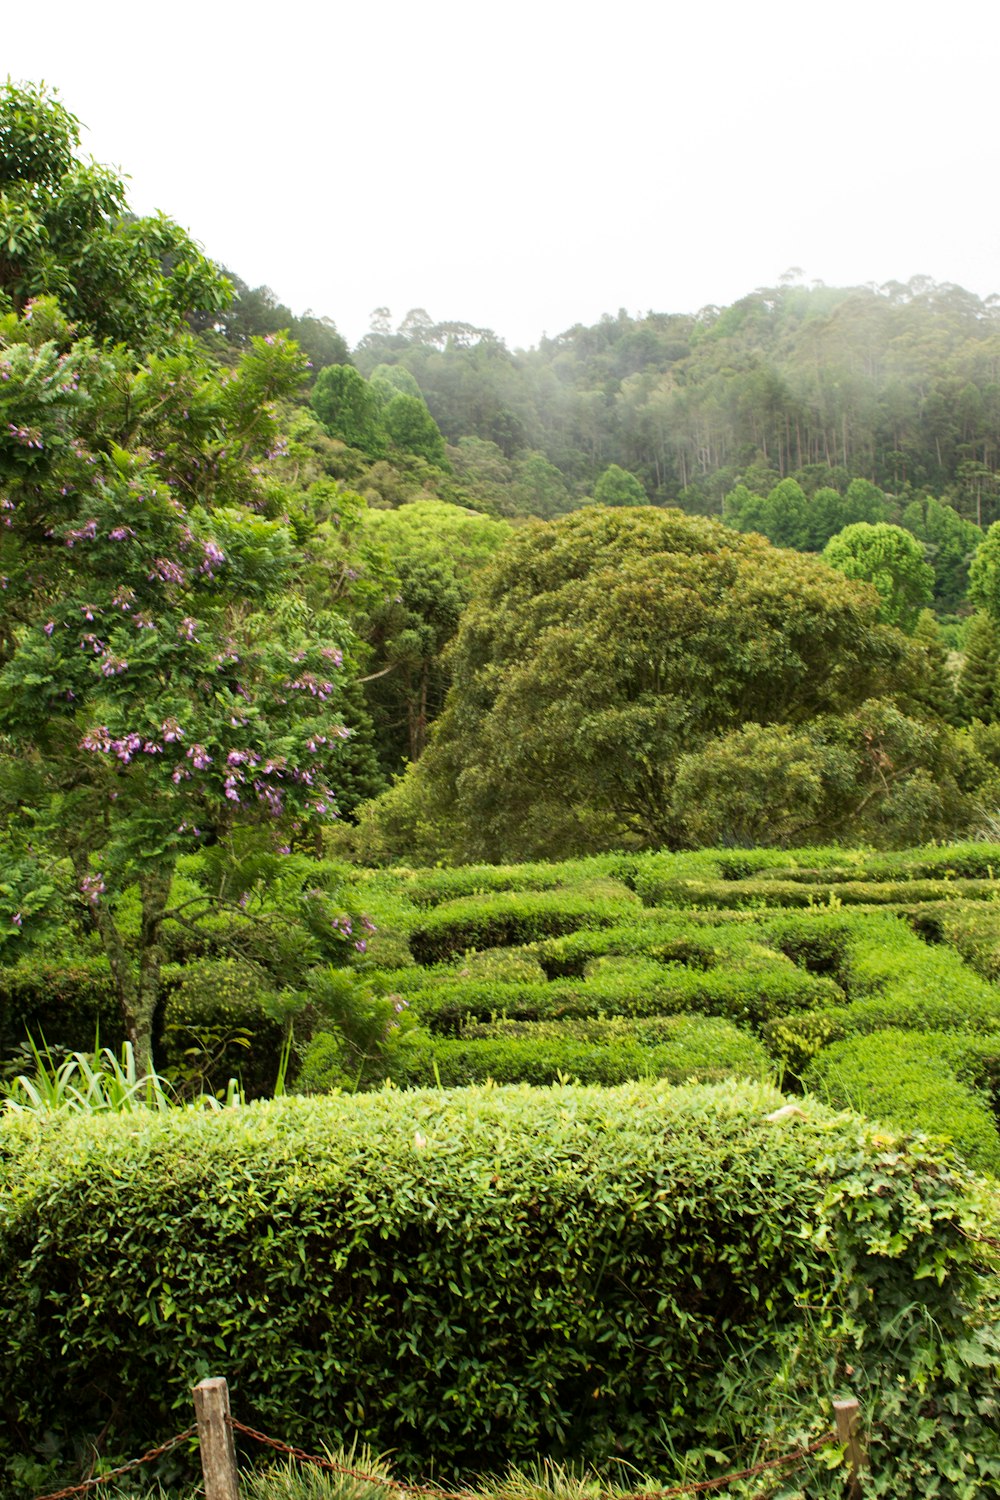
x=616 y=486
x=257 y=311
x=65 y=230
x=977 y=681
x=348 y=408
x=984 y=574
x=786 y=516
x=160 y=680
x=600 y=648
x=950 y=543
x=393 y=380
x=892 y=561
x=759 y=785
x=435 y=551
x=875 y=774
x=411 y=427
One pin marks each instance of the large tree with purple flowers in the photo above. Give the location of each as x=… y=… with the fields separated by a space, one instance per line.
x=160 y=678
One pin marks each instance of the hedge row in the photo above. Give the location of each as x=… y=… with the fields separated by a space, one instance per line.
x=679 y=1049
x=912 y=1076
x=764 y=892
x=748 y=996
x=505 y=919
x=497 y=1276
x=66 y=1000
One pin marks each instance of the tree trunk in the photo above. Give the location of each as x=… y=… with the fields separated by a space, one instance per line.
x=136 y=976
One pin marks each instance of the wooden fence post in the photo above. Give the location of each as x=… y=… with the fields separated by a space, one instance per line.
x=848 y=1414
x=218 y=1452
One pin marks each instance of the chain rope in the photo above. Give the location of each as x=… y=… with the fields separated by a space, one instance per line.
x=133 y=1463
x=701 y=1486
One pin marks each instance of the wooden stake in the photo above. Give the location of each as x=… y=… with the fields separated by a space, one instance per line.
x=848 y=1414
x=218 y=1452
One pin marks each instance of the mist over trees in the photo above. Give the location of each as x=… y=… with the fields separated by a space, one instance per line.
x=896 y=384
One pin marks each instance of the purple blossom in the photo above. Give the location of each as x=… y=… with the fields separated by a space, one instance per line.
x=17 y=919
x=84 y=533
x=49 y=626
x=186 y=629
x=166 y=571
x=171 y=731
x=200 y=757
x=120 y=533
x=212 y=558
x=92 y=887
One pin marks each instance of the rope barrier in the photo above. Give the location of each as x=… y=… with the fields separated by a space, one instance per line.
x=133 y=1463
x=697 y=1487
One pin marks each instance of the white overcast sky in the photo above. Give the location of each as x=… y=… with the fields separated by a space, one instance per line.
x=527 y=166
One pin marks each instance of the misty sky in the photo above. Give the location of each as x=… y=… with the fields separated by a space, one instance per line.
x=533 y=165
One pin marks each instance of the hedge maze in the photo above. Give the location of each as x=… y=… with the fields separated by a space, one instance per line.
x=869 y=979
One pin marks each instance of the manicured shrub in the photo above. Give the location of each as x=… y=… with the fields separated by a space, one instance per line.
x=907 y=1078
x=222 y=1018
x=763 y=892
x=432 y=887
x=506 y=919
x=496 y=1276
x=606 y=1051
x=67 y=1000
x=748 y=996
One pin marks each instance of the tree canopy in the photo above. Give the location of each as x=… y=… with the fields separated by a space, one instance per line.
x=601 y=648
x=65 y=231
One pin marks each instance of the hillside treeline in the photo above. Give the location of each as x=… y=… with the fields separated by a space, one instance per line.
x=898 y=384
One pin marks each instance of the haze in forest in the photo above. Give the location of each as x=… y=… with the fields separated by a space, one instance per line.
x=530 y=171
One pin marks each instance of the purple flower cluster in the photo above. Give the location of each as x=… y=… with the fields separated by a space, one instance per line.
x=212 y=557
x=166 y=571
x=84 y=533
x=92 y=888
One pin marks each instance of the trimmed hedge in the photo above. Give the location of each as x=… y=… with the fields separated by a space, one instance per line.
x=907 y=1078
x=228 y=1012
x=679 y=1049
x=506 y=919
x=749 y=996
x=496 y=1276
x=67 y=1000
x=765 y=891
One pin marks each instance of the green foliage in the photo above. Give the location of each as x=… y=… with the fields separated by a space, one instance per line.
x=86 y=1083
x=616 y=486
x=679 y=1049
x=892 y=561
x=407 y=1269
x=65 y=999
x=66 y=232
x=501 y=920
x=895 y=1075
x=599 y=649
x=222 y=1017
x=411 y=427
x=350 y=411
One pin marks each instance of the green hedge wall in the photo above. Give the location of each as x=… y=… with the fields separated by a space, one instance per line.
x=679 y=1049
x=909 y=1078
x=495 y=1276
x=506 y=919
x=67 y=1000
x=747 y=996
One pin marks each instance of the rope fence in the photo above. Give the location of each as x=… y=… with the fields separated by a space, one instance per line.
x=133 y=1463
x=215 y=1428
